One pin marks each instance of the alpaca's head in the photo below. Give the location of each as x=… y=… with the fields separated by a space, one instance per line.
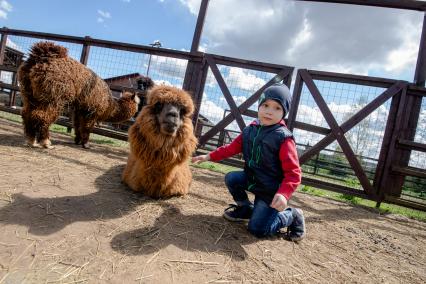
x=128 y=103
x=171 y=107
x=144 y=85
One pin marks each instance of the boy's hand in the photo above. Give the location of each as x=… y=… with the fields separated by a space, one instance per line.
x=279 y=202
x=201 y=158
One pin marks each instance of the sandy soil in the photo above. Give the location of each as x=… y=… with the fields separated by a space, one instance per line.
x=66 y=218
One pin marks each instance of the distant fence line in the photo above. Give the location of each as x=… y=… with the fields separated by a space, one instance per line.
x=225 y=91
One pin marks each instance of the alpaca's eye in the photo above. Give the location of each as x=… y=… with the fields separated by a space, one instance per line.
x=183 y=111
x=158 y=107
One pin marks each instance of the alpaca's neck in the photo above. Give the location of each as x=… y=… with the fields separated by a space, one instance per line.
x=118 y=111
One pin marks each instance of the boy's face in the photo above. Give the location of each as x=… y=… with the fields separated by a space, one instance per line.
x=270 y=113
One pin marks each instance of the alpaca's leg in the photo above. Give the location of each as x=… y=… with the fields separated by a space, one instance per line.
x=46 y=117
x=180 y=183
x=30 y=125
x=86 y=127
x=77 y=119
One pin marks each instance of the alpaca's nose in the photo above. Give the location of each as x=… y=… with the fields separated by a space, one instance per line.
x=172 y=114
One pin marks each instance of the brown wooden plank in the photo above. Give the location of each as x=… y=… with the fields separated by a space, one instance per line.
x=85 y=52
x=409 y=171
x=227 y=94
x=3 y=42
x=411 y=145
x=8 y=68
x=387 y=137
x=385 y=187
x=334 y=187
x=396 y=4
x=406 y=203
x=352 y=79
x=199 y=26
x=295 y=100
x=250 y=64
x=9 y=86
x=337 y=132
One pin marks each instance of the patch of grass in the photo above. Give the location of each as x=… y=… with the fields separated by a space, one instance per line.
x=385 y=208
x=216 y=167
x=56 y=128
x=11 y=116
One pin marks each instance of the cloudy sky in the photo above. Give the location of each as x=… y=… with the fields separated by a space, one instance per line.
x=341 y=38
x=333 y=37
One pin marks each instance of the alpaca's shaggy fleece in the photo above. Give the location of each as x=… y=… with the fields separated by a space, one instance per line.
x=158 y=164
x=49 y=79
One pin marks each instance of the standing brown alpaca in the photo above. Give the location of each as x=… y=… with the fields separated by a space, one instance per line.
x=49 y=80
x=161 y=142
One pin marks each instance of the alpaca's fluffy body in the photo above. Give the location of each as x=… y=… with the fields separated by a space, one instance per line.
x=158 y=163
x=49 y=80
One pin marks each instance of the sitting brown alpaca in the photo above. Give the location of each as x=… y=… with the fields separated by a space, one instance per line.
x=49 y=80
x=161 y=142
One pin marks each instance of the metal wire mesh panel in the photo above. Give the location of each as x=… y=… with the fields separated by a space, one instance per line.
x=344 y=100
x=241 y=83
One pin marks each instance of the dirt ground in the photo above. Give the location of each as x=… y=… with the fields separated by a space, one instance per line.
x=66 y=218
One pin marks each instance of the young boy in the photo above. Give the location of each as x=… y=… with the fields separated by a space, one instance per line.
x=271 y=172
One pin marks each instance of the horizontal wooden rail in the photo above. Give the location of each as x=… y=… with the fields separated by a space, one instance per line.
x=411 y=145
x=409 y=171
x=105 y=43
x=395 y=4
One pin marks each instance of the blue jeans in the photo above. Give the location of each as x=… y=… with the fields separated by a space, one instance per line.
x=265 y=220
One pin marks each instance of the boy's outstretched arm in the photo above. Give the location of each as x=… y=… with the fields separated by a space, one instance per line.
x=223 y=152
x=291 y=168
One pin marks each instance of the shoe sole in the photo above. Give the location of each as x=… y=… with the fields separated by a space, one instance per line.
x=229 y=218
x=296 y=239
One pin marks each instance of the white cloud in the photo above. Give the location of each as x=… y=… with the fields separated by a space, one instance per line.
x=192 y=5
x=210 y=110
x=104 y=14
x=244 y=79
x=5 y=7
x=126 y=1
x=324 y=36
x=100 y=20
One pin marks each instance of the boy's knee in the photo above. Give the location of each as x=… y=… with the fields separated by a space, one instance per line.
x=258 y=230
x=230 y=179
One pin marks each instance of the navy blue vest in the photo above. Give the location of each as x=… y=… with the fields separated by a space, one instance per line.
x=261 y=148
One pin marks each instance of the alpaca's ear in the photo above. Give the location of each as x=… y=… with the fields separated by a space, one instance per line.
x=136 y=98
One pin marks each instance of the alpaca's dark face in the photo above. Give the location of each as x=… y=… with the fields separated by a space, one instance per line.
x=169 y=117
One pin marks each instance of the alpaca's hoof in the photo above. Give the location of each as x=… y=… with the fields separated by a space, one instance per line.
x=86 y=145
x=46 y=144
x=33 y=144
x=48 y=147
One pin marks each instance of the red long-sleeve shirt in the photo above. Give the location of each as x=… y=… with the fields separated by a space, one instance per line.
x=288 y=157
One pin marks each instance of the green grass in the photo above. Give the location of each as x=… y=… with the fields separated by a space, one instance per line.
x=216 y=167
x=56 y=128
x=385 y=208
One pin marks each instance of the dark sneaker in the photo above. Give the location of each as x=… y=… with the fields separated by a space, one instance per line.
x=297 y=230
x=237 y=213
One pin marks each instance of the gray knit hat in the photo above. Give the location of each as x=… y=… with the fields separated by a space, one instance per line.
x=279 y=93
